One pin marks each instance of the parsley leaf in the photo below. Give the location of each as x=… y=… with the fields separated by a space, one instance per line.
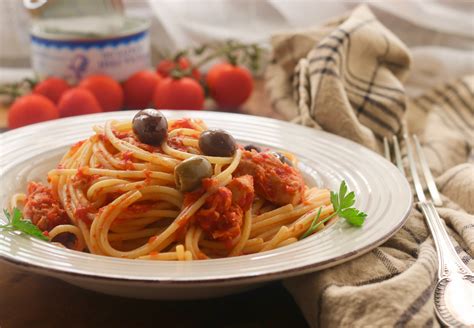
x=17 y=223
x=342 y=203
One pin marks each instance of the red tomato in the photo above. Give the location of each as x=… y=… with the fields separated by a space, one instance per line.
x=139 y=88
x=52 y=88
x=108 y=92
x=184 y=93
x=78 y=101
x=230 y=85
x=165 y=67
x=31 y=109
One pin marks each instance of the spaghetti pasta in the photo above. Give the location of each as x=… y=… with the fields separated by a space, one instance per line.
x=114 y=195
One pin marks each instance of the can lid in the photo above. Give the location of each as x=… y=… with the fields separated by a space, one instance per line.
x=88 y=27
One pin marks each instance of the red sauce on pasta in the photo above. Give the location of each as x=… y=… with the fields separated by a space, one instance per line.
x=42 y=208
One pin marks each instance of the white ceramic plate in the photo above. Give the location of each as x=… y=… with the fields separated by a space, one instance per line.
x=382 y=192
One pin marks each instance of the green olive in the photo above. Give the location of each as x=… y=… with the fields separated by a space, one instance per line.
x=189 y=173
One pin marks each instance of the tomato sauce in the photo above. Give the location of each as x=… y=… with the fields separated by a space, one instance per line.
x=184 y=123
x=42 y=208
x=82 y=214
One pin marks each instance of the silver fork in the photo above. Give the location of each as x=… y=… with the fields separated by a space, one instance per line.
x=454 y=291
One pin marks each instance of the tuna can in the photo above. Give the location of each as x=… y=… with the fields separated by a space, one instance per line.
x=74 y=48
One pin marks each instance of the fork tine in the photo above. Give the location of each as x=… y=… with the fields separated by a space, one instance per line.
x=427 y=173
x=414 y=172
x=398 y=156
x=386 y=149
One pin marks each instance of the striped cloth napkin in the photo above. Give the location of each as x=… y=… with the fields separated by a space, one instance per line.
x=346 y=77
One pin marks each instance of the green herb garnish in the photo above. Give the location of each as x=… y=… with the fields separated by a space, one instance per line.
x=342 y=203
x=17 y=223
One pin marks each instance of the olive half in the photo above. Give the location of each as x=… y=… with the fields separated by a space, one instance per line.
x=189 y=173
x=282 y=158
x=150 y=126
x=251 y=147
x=217 y=143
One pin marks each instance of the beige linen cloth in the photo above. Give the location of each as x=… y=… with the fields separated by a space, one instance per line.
x=346 y=77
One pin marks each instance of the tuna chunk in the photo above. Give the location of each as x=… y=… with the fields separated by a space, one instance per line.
x=274 y=181
x=42 y=208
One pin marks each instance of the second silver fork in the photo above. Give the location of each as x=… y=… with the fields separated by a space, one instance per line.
x=454 y=292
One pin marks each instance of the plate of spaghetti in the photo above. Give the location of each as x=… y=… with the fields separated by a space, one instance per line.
x=189 y=204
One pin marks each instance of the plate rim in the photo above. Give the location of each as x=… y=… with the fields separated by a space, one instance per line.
x=238 y=278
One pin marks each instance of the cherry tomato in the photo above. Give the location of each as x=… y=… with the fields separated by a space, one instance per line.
x=138 y=89
x=52 y=88
x=184 y=93
x=78 y=101
x=230 y=85
x=31 y=109
x=165 y=67
x=108 y=92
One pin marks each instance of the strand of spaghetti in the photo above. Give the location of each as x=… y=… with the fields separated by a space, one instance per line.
x=190 y=142
x=279 y=210
x=188 y=240
x=16 y=200
x=69 y=228
x=244 y=235
x=98 y=186
x=217 y=169
x=224 y=175
x=278 y=220
x=200 y=255
x=253 y=247
x=281 y=235
x=109 y=187
x=136 y=151
x=168 y=256
x=162 y=240
x=134 y=234
x=183 y=131
x=302 y=224
x=184 y=155
x=217 y=245
x=180 y=252
x=268 y=234
x=74 y=151
x=197 y=124
x=100 y=227
x=136 y=224
x=119 y=174
x=70 y=209
x=134 y=218
x=86 y=154
x=258 y=203
x=286 y=216
x=163 y=197
x=104 y=158
x=116 y=163
x=287 y=242
x=78 y=197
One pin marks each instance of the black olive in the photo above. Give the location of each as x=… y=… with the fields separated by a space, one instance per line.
x=251 y=147
x=189 y=173
x=150 y=126
x=282 y=158
x=217 y=143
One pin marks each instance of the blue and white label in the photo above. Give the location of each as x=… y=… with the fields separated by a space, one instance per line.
x=117 y=57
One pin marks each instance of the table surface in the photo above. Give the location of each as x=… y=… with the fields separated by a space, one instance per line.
x=31 y=300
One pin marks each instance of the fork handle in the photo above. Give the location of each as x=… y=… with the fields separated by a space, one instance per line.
x=448 y=260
